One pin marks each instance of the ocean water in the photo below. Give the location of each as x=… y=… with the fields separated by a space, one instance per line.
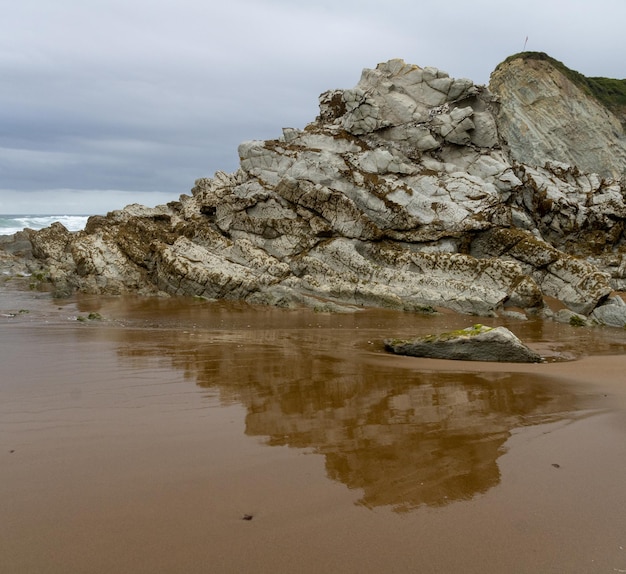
x=13 y=223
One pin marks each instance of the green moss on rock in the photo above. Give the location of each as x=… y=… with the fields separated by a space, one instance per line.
x=449 y=335
x=577 y=321
x=610 y=92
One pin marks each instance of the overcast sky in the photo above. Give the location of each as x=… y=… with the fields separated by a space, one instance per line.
x=110 y=102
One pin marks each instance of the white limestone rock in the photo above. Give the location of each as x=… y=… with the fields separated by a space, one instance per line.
x=398 y=194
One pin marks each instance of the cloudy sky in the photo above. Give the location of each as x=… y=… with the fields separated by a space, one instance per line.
x=110 y=102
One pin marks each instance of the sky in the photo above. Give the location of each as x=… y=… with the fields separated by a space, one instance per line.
x=104 y=103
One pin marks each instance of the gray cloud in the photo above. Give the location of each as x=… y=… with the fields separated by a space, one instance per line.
x=144 y=97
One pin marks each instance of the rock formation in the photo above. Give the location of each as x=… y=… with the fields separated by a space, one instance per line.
x=477 y=343
x=547 y=113
x=402 y=193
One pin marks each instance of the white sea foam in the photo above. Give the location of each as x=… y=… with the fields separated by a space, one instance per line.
x=10 y=224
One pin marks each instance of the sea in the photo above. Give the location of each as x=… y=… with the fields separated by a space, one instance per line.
x=12 y=223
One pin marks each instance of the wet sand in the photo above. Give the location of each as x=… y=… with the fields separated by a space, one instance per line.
x=141 y=442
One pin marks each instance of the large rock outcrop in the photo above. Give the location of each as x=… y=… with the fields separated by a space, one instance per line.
x=549 y=112
x=401 y=194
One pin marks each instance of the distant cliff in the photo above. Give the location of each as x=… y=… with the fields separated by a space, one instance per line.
x=412 y=190
x=549 y=112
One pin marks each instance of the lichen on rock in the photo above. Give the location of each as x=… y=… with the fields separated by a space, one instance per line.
x=475 y=343
x=407 y=191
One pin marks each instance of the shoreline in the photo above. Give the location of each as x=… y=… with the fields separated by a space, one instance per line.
x=138 y=442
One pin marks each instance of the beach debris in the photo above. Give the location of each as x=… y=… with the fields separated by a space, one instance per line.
x=90 y=317
x=12 y=314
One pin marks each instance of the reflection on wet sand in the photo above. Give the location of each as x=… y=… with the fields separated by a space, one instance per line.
x=431 y=440
x=137 y=442
x=404 y=438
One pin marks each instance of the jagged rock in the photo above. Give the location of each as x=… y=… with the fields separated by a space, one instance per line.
x=612 y=313
x=399 y=194
x=477 y=343
x=571 y=318
x=16 y=253
x=547 y=114
x=575 y=282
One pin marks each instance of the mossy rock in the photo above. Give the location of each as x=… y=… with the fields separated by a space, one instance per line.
x=458 y=333
x=475 y=343
x=577 y=321
x=90 y=317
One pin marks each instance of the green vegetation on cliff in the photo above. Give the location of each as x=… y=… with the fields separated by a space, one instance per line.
x=608 y=91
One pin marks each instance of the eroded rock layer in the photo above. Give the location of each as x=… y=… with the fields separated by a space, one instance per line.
x=399 y=194
x=548 y=112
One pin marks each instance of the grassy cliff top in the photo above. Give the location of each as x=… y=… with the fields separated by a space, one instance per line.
x=608 y=91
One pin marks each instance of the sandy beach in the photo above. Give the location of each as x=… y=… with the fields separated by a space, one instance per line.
x=165 y=435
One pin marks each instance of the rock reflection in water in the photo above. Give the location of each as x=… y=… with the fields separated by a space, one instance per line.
x=404 y=438
x=429 y=438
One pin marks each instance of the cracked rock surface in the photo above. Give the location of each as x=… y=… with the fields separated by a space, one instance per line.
x=402 y=193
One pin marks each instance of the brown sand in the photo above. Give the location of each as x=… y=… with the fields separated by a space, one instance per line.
x=140 y=442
